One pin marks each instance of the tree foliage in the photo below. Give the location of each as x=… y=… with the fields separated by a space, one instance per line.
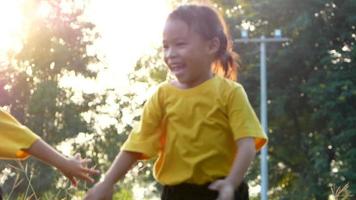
x=312 y=84
x=54 y=46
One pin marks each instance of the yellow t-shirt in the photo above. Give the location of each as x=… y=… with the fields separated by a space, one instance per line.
x=193 y=131
x=14 y=137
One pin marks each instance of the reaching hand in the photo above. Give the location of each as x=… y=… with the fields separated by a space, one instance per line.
x=225 y=188
x=100 y=191
x=76 y=168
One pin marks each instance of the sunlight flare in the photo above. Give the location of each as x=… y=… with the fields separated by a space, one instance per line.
x=11 y=22
x=129 y=29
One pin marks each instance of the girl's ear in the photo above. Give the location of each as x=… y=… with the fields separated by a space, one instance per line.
x=214 y=45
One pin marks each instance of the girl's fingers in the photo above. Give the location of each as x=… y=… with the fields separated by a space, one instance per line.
x=91 y=171
x=87 y=178
x=215 y=185
x=225 y=197
x=85 y=161
x=78 y=156
x=73 y=181
x=226 y=193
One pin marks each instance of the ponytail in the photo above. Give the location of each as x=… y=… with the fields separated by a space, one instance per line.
x=226 y=66
x=227 y=61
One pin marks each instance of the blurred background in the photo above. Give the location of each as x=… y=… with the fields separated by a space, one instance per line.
x=77 y=72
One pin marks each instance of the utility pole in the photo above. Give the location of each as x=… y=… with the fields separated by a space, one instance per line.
x=263 y=80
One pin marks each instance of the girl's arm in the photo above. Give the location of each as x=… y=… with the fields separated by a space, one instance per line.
x=245 y=154
x=121 y=165
x=71 y=167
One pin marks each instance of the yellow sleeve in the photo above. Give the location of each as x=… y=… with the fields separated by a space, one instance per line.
x=145 y=138
x=14 y=137
x=243 y=119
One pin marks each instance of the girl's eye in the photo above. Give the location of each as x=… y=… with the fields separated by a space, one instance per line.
x=180 y=43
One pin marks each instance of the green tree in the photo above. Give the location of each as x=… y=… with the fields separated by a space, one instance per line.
x=55 y=46
x=311 y=90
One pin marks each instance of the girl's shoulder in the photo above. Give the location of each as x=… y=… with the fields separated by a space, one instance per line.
x=163 y=86
x=229 y=89
x=227 y=84
x=157 y=90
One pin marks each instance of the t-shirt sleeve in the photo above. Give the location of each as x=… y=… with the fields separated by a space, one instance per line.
x=145 y=138
x=14 y=137
x=243 y=119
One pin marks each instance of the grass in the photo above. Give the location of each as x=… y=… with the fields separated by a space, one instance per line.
x=67 y=192
x=340 y=193
x=337 y=193
x=30 y=192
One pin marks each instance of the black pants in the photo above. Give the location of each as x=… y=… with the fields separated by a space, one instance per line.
x=0 y=194
x=187 y=191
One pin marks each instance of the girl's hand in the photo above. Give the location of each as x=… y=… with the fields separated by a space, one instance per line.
x=71 y=167
x=225 y=188
x=100 y=191
x=74 y=168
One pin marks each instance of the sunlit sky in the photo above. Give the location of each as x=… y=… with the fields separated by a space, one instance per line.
x=128 y=29
x=10 y=26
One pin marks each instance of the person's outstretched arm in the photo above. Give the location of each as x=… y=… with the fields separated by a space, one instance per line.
x=121 y=165
x=72 y=168
x=245 y=154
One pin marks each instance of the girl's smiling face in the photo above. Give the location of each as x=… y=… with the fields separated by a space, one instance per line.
x=187 y=54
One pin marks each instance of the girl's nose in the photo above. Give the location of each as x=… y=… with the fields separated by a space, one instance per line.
x=170 y=52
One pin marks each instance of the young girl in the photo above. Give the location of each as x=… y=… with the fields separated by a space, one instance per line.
x=201 y=126
x=19 y=142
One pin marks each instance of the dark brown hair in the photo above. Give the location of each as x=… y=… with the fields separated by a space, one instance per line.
x=208 y=23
